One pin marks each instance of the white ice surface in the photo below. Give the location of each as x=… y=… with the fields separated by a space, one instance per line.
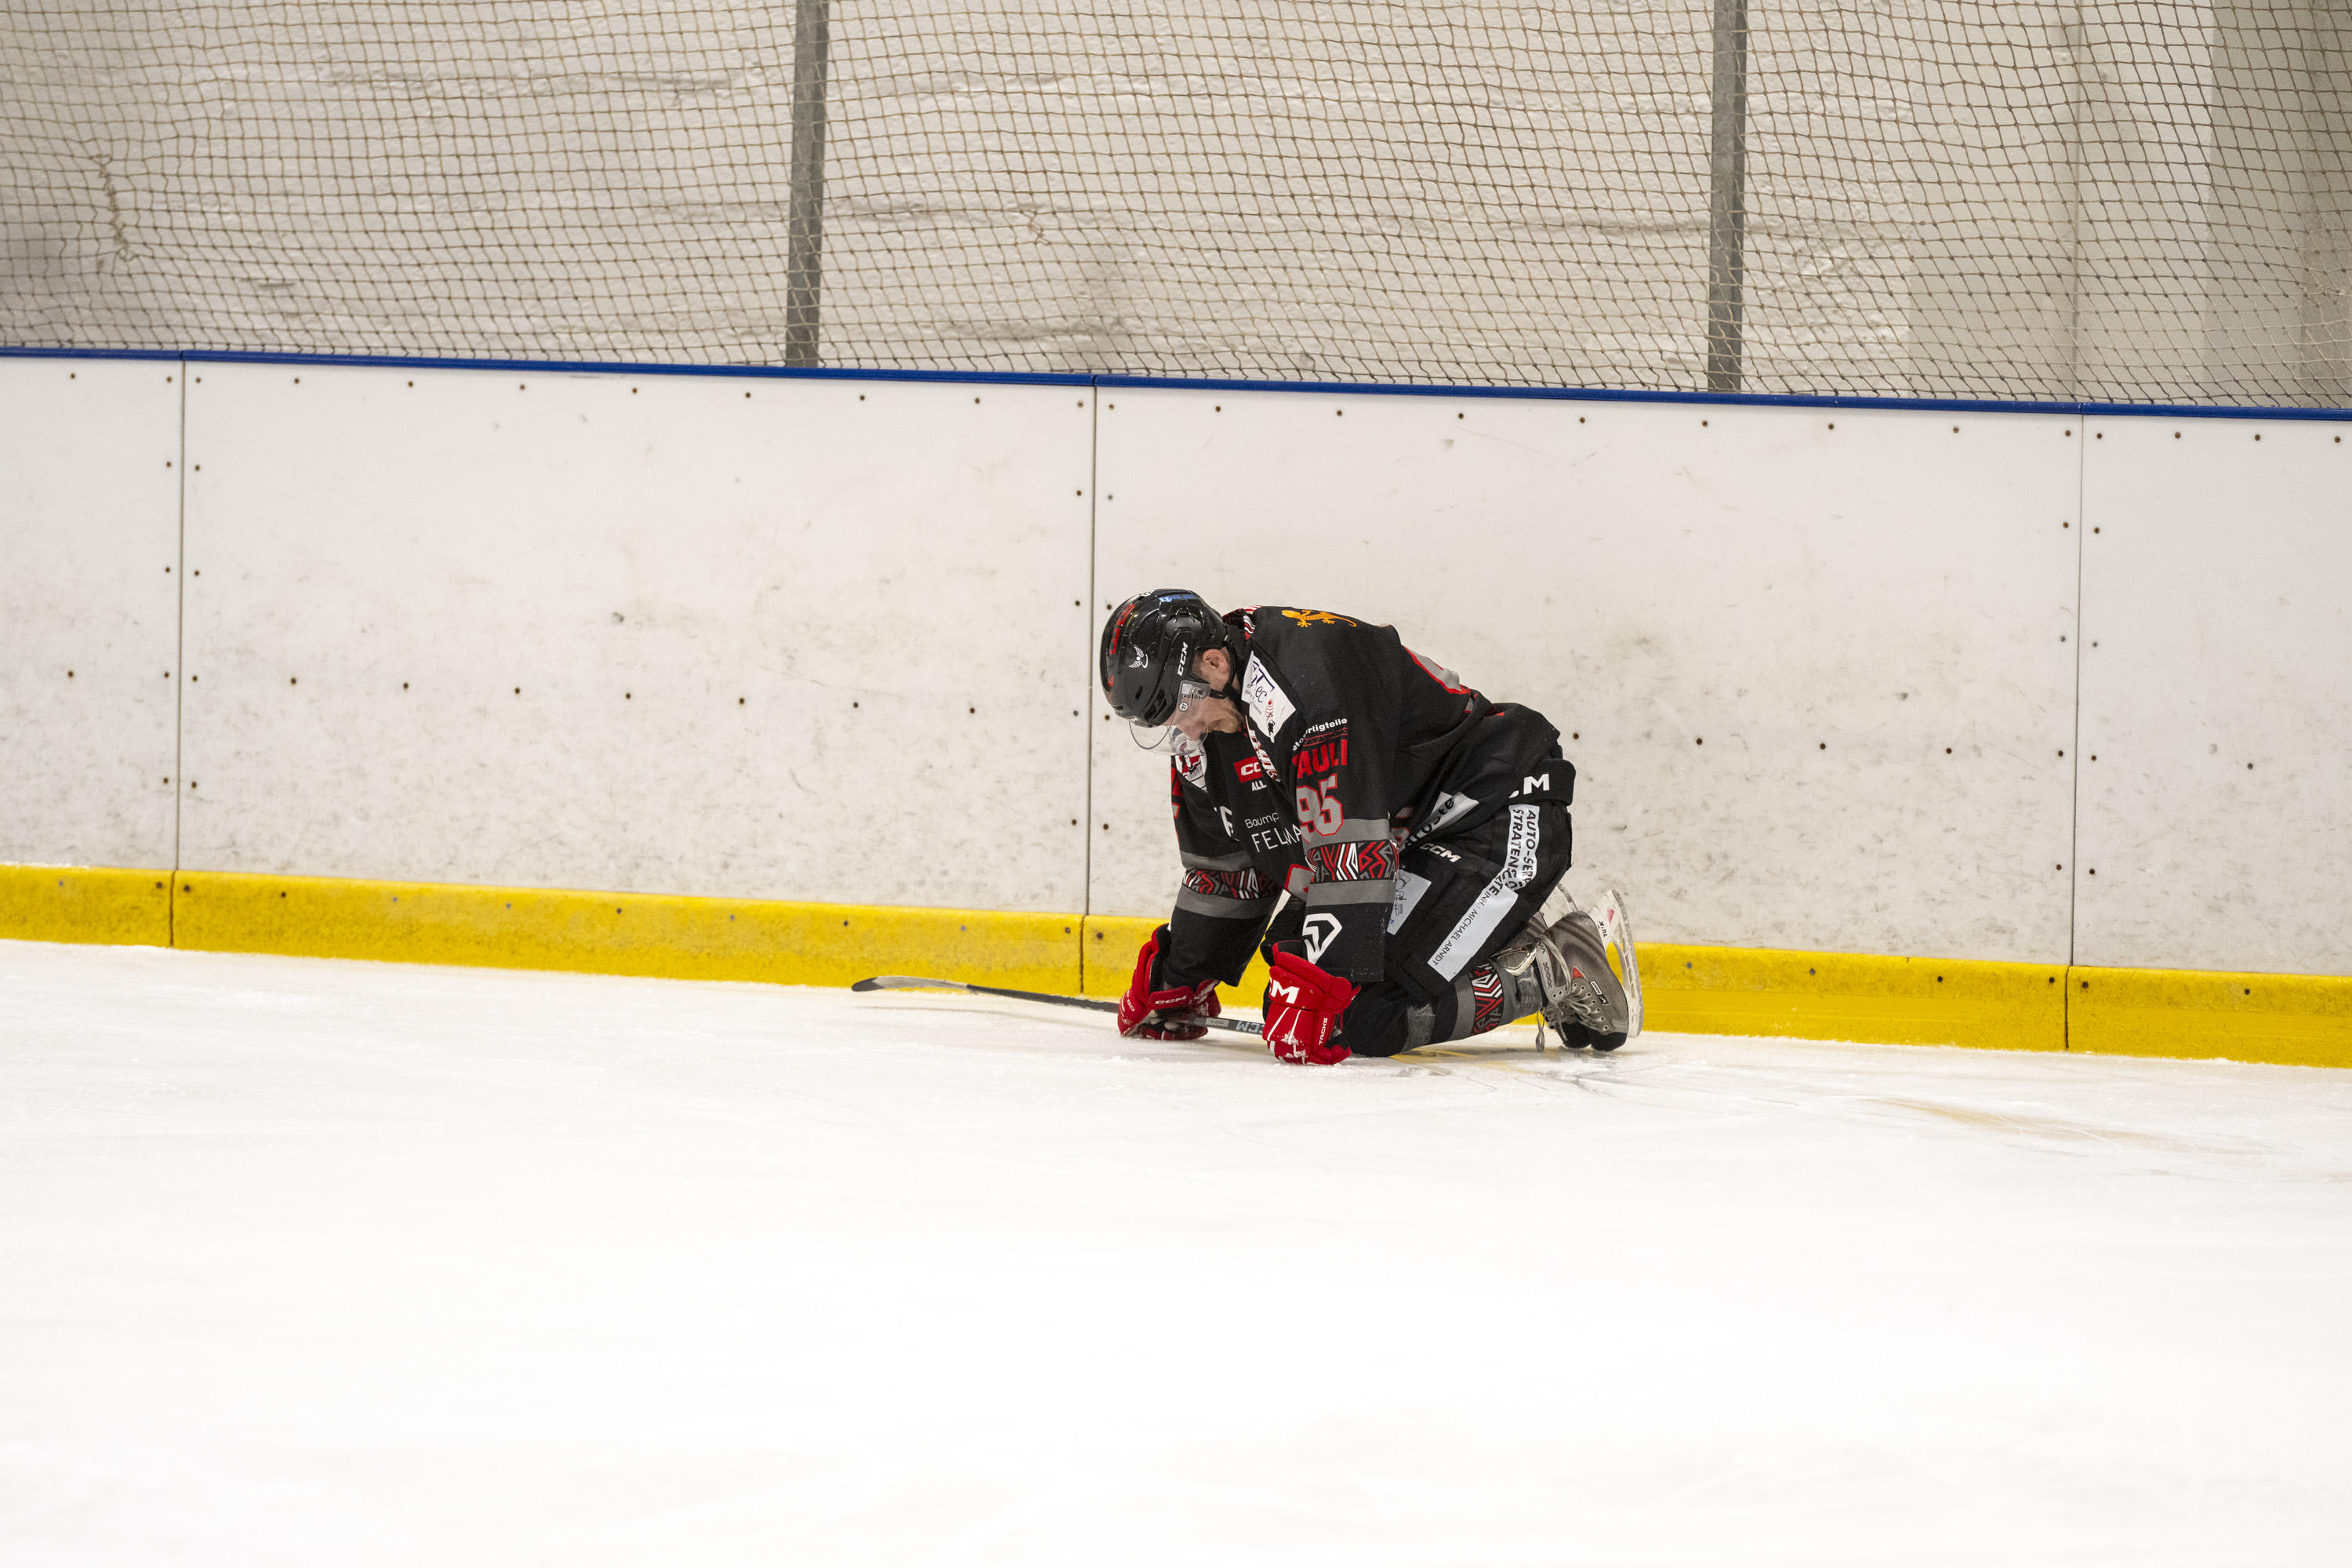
x=307 y=1262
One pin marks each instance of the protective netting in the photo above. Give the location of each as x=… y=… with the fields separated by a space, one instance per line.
x=2142 y=202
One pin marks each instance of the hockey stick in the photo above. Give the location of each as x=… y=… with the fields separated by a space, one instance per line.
x=909 y=982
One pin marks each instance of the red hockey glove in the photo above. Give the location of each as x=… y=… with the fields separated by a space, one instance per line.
x=1303 y=1007
x=1159 y=1008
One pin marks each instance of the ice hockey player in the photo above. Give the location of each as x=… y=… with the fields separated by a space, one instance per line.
x=1420 y=830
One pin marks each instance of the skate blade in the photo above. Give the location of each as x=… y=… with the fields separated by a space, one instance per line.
x=1618 y=931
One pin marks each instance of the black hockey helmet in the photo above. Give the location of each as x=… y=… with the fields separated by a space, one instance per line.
x=1148 y=647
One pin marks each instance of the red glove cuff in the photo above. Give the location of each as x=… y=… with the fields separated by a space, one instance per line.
x=1157 y=1008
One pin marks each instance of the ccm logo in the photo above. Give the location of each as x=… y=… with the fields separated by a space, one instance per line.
x=1248 y=769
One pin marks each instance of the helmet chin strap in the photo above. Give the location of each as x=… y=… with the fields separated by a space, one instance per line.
x=1232 y=693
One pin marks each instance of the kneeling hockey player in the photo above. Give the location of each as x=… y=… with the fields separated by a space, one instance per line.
x=1420 y=830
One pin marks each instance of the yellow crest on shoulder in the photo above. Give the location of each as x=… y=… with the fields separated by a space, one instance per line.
x=1318 y=617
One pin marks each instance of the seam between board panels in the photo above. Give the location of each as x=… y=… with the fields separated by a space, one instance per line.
x=179 y=672
x=1085 y=623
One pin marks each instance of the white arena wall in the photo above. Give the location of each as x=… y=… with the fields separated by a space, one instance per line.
x=89 y=611
x=1836 y=676
x=734 y=637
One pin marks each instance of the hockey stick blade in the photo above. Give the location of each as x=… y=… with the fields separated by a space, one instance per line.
x=1094 y=1005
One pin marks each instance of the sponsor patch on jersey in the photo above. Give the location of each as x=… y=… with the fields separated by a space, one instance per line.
x=1250 y=772
x=1269 y=705
x=1320 y=756
x=1271 y=840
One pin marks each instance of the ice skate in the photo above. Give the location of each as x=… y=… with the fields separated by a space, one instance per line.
x=1591 y=1007
x=1557 y=981
x=1560 y=969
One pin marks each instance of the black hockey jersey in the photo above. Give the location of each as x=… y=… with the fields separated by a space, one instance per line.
x=1352 y=746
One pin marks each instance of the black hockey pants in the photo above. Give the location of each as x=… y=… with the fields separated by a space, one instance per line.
x=1460 y=899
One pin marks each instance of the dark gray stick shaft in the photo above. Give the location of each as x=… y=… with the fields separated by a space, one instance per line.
x=911 y=982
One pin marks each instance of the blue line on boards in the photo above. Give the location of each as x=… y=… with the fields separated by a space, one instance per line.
x=1592 y=394
x=562 y=367
x=1207 y=383
x=1734 y=399
x=91 y=353
x=2206 y=411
